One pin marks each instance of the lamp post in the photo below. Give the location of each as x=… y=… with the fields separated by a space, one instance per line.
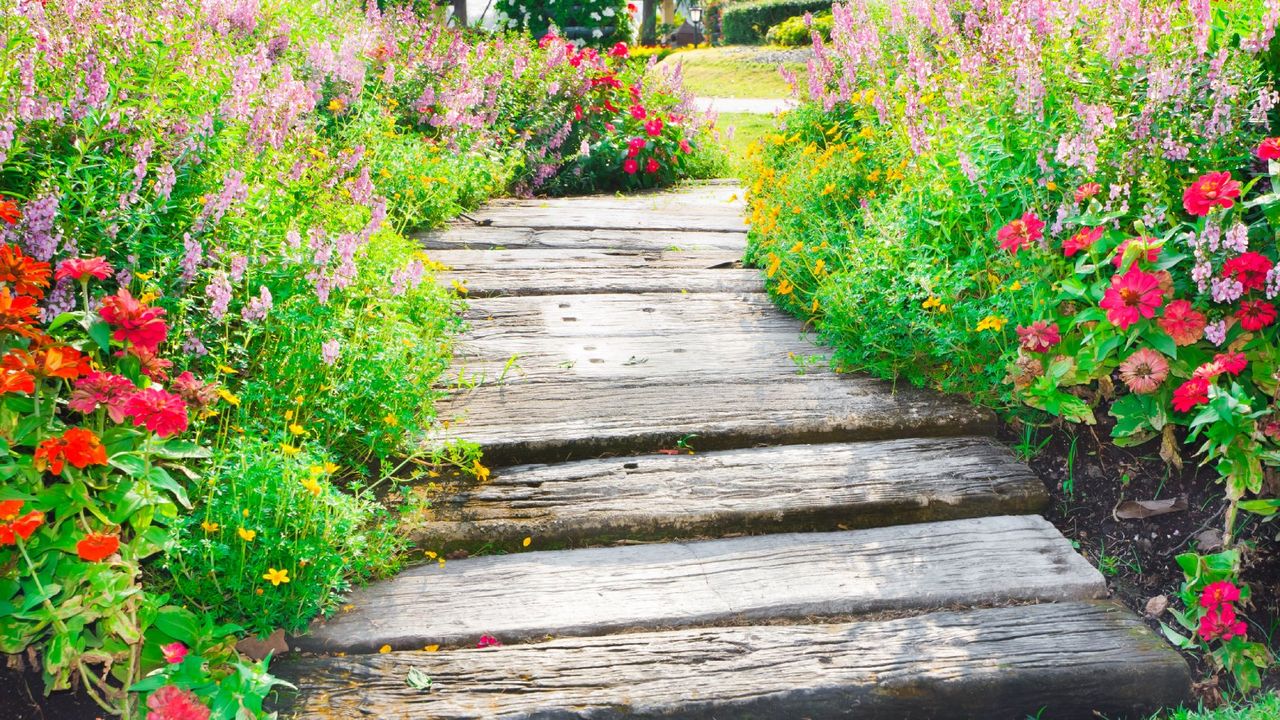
x=695 y=16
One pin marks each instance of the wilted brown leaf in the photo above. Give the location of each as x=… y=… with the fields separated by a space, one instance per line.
x=1139 y=509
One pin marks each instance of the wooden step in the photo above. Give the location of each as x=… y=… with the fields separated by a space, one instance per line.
x=463 y=237
x=528 y=596
x=1068 y=660
x=794 y=488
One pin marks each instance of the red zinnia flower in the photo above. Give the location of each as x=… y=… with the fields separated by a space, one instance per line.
x=488 y=641
x=9 y=211
x=654 y=127
x=1209 y=190
x=1190 y=394
x=1231 y=363
x=631 y=7
x=630 y=166
x=84 y=268
x=1250 y=269
x=162 y=413
x=24 y=275
x=1132 y=296
x=1216 y=593
x=134 y=322
x=1021 y=233
x=173 y=703
x=1039 y=336
x=685 y=146
x=21 y=527
x=1152 y=254
x=1221 y=622
x=78 y=446
x=1269 y=149
x=174 y=652
x=620 y=50
x=1083 y=238
x=96 y=547
x=652 y=166
x=1087 y=190
x=1183 y=323
x=9 y=509
x=577 y=112
x=1256 y=314
x=101 y=389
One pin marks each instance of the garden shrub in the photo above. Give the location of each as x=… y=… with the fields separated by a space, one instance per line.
x=799 y=30
x=747 y=23
x=1058 y=205
x=598 y=23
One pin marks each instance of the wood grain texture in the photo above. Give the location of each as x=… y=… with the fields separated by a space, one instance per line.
x=1069 y=660
x=504 y=282
x=796 y=488
x=587 y=259
x=460 y=236
x=991 y=560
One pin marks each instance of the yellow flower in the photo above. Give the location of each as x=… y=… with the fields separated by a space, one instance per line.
x=148 y=297
x=526 y=541
x=384 y=649
x=460 y=287
x=209 y=527
x=481 y=472
x=798 y=247
x=931 y=303
x=312 y=485
x=226 y=369
x=297 y=429
x=1016 y=286
x=431 y=555
x=785 y=287
x=275 y=577
x=330 y=468
x=144 y=276
x=289 y=450
x=336 y=105
x=244 y=512
x=820 y=267
x=1051 y=186
x=992 y=322
x=814 y=307
x=391 y=419
x=774 y=263
x=227 y=395
x=246 y=535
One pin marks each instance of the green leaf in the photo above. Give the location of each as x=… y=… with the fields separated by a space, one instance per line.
x=100 y=332
x=178 y=624
x=180 y=450
x=418 y=679
x=163 y=480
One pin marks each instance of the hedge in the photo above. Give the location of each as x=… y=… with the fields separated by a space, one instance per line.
x=748 y=22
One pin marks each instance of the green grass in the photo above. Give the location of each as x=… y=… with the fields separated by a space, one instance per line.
x=747 y=128
x=1264 y=707
x=729 y=72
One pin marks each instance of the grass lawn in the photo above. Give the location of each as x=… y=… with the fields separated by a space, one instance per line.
x=747 y=128
x=732 y=72
x=1264 y=707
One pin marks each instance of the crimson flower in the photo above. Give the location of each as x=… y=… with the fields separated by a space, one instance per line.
x=1210 y=190
x=1190 y=394
x=174 y=652
x=685 y=147
x=1131 y=297
x=619 y=50
x=1087 y=190
x=1144 y=371
x=1021 y=233
x=1039 y=336
x=9 y=211
x=1269 y=149
x=1221 y=622
x=630 y=166
x=25 y=275
x=652 y=166
x=174 y=703
x=162 y=413
x=21 y=527
x=134 y=322
x=96 y=547
x=638 y=112
x=488 y=641
x=77 y=446
x=1216 y=593
x=1183 y=323
x=1256 y=314
x=654 y=127
x=1250 y=269
x=102 y=389
x=84 y=268
x=1231 y=363
x=1083 y=238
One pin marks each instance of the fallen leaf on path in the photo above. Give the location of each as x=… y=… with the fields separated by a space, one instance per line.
x=1139 y=509
x=417 y=679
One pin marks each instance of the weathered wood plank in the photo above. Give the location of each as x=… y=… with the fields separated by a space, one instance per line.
x=992 y=560
x=585 y=259
x=1068 y=660
x=505 y=282
x=797 y=488
x=532 y=422
x=636 y=239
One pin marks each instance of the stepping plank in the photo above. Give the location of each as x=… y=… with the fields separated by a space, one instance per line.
x=554 y=421
x=502 y=282
x=704 y=208
x=459 y=236
x=992 y=560
x=1069 y=660
x=799 y=488
x=586 y=259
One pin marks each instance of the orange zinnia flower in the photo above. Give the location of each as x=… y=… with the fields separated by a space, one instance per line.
x=97 y=546
x=9 y=211
x=78 y=446
x=58 y=361
x=12 y=381
x=26 y=276
x=22 y=527
x=18 y=314
x=9 y=509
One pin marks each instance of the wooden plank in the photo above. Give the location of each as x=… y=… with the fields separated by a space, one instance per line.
x=991 y=560
x=505 y=282
x=796 y=488
x=1070 y=660
x=532 y=422
x=459 y=236
x=586 y=259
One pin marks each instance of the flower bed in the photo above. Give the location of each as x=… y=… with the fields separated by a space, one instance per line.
x=1065 y=206
x=217 y=335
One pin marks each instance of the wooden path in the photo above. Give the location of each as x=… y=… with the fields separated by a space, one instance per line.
x=836 y=547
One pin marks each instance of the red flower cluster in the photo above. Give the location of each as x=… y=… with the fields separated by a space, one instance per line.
x=1082 y=240
x=96 y=547
x=77 y=446
x=1269 y=149
x=174 y=703
x=1215 y=189
x=81 y=269
x=1219 y=619
x=1249 y=268
x=139 y=325
x=12 y=526
x=1021 y=233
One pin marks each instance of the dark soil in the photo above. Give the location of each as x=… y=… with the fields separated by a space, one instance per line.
x=1088 y=477
x=22 y=698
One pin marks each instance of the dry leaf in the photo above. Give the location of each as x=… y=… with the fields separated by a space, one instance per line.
x=258 y=649
x=1139 y=509
x=1169 y=448
x=1208 y=540
x=1157 y=605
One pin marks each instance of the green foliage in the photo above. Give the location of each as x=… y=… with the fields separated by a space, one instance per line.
x=597 y=23
x=262 y=513
x=747 y=23
x=796 y=31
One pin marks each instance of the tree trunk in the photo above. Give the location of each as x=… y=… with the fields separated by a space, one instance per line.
x=649 y=23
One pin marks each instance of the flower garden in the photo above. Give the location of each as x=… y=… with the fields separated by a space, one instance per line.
x=1067 y=211
x=219 y=341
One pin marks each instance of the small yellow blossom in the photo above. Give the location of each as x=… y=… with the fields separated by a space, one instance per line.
x=312 y=485
x=297 y=429
x=209 y=527
x=336 y=105
x=384 y=649
x=481 y=472
x=275 y=577
x=246 y=535
x=995 y=323
x=391 y=419
x=526 y=541
x=227 y=395
x=785 y=287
